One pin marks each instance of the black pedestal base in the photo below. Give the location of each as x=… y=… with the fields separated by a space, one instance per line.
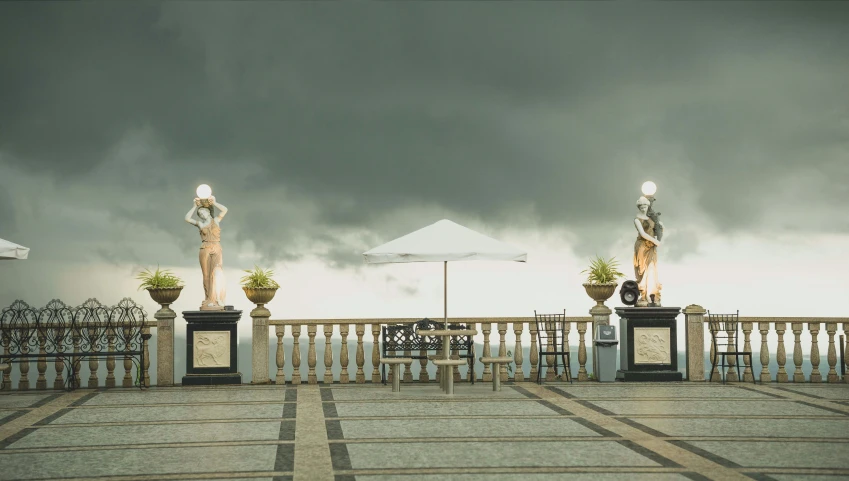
x=649 y=346
x=212 y=348
x=648 y=376
x=210 y=379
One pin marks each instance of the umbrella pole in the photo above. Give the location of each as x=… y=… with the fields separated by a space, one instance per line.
x=445 y=293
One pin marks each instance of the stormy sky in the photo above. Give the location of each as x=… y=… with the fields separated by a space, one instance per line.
x=329 y=128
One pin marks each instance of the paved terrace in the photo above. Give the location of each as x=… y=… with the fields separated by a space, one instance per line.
x=367 y=433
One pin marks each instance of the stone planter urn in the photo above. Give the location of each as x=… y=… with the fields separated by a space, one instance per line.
x=260 y=295
x=165 y=296
x=600 y=292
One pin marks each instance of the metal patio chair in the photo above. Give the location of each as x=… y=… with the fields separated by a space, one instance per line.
x=724 y=335
x=552 y=341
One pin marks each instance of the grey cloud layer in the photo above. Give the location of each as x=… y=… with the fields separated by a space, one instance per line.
x=315 y=119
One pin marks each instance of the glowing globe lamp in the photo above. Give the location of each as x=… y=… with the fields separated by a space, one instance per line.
x=204 y=191
x=648 y=188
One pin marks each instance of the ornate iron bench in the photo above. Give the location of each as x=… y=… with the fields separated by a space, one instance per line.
x=70 y=335
x=400 y=341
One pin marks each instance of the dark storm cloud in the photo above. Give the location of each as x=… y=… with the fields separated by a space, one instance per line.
x=312 y=117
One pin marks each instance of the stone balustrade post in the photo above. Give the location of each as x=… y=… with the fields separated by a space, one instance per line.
x=164 y=348
x=259 y=345
x=694 y=316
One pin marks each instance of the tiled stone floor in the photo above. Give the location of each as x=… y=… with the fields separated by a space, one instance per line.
x=586 y=431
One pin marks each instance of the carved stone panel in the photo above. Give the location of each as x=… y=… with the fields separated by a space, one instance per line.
x=651 y=345
x=211 y=348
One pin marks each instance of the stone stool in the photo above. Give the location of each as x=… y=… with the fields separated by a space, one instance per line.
x=495 y=364
x=447 y=381
x=396 y=362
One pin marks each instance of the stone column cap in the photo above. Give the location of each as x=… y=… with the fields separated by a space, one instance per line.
x=600 y=311
x=694 y=309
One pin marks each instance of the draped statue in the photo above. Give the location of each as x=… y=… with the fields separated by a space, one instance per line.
x=211 y=256
x=645 y=253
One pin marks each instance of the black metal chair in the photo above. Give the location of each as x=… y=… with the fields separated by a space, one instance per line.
x=724 y=336
x=551 y=337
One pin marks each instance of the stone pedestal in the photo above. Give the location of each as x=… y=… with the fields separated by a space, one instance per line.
x=212 y=347
x=694 y=317
x=165 y=345
x=648 y=344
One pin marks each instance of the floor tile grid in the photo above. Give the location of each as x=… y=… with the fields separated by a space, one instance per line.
x=342 y=463
x=76 y=400
x=793 y=397
x=698 y=464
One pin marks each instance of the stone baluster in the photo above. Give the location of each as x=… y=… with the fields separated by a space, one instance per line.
x=816 y=375
x=798 y=375
x=344 y=377
x=7 y=373
x=714 y=357
x=23 y=367
x=311 y=356
x=423 y=374
x=486 y=327
x=128 y=361
x=831 y=329
x=164 y=347
x=259 y=344
x=145 y=367
x=846 y=351
x=296 y=355
x=747 y=347
x=534 y=354
x=328 y=354
x=408 y=370
x=550 y=375
x=582 y=353
x=780 y=354
x=694 y=316
x=731 y=372
x=375 y=353
x=280 y=354
x=519 y=374
x=763 y=327
x=502 y=348
x=361 y=357
x=41 y=382
x=58 y=364
x=110 y=359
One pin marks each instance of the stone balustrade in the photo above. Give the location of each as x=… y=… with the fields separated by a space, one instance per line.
x=355 y=333
x=778 y=331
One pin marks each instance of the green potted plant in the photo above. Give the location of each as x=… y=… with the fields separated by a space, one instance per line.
x=602 y=278
x=162 y=285
x=259 y=286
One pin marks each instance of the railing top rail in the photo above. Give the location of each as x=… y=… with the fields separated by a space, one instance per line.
x=790 y=320
x=455 y=320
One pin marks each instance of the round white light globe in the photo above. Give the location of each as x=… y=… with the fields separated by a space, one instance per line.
x=204 y=191
x=649 y=188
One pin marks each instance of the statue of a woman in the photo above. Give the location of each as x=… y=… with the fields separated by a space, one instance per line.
x=645 y=255
x=211 y=257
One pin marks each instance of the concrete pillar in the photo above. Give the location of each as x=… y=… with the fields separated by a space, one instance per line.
x=259 y=345
x=165 y=345
x=694 y=316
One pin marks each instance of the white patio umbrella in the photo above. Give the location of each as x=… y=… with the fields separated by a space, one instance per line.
x=10 y=250
x=442 y=242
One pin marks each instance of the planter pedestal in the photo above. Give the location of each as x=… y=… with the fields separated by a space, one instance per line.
x=212 y=347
